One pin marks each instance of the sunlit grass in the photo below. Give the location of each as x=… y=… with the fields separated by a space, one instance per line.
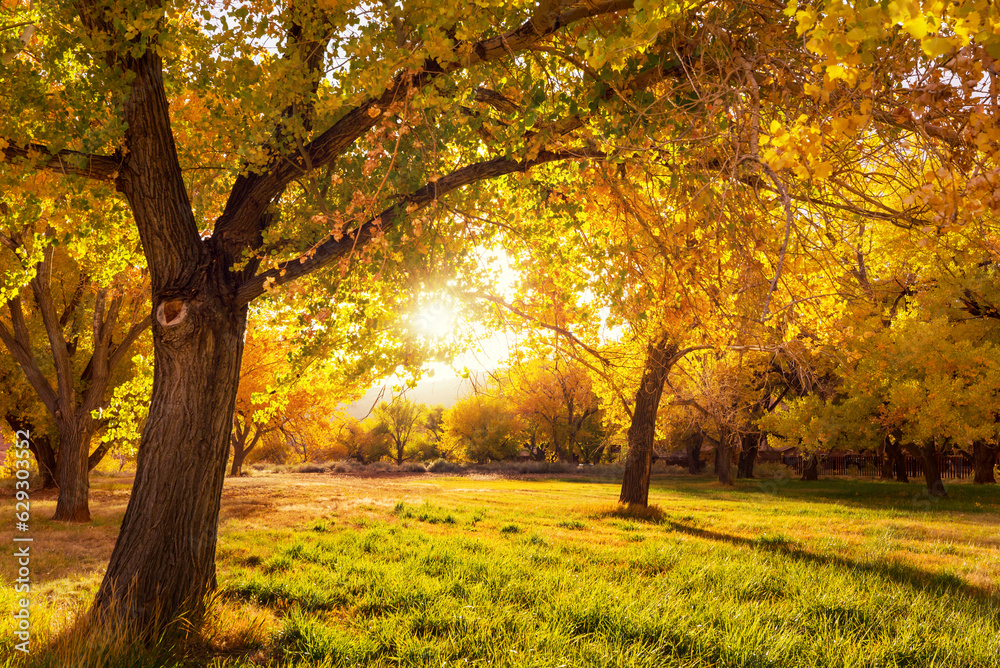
x=421 y=571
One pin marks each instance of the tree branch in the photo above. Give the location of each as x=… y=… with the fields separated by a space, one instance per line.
x=18 y=342
x=338 y=247
x=97 y=167
x=251 y=196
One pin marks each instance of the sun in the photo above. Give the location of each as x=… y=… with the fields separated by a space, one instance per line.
x=436 y=320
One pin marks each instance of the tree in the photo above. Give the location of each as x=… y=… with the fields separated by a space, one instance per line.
x=363 y=443
x=72 y=333
x=557 y=405
x=294 y=192
x=402 y=421
x=430 y=109
x=483 y=428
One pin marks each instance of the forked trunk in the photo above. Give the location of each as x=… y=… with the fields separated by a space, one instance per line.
x=724 y=458
x=984 y=459
x=931 y=472
x=73 y=474
x=635 y=482
x=238 y=456
x=240 y=447
x=811 y=469
x=163 y=563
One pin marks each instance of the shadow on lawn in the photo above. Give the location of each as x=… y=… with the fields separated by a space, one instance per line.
x=867 y=494
x=901 y=573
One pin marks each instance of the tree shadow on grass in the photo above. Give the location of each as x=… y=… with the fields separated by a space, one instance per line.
x=867 y=494
x=891 y=570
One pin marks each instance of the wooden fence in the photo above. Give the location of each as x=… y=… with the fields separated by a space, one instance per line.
x=955 y=467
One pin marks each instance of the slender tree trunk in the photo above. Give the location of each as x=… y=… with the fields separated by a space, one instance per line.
x=724 y=458
x=40 y=446
x=45 y=456
x=693 y=447
x=642 y=431
x=932 y=474
x=73 y=474
x=163 y=563
x=750 y=444
x=885 y=461
x=238 y=455
x=894 y=459
x=811 y=469
x=984 y=459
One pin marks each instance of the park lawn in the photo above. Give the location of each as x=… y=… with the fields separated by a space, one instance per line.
x=426 y=570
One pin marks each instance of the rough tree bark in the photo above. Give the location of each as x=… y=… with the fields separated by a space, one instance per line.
x=73 y=503
x=164 y=560
x=642 y=431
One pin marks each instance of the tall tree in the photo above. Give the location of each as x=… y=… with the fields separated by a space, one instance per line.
x=322 y=162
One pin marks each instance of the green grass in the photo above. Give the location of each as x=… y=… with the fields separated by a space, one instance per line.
x=553 y=573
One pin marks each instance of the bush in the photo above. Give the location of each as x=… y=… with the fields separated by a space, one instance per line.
x=444 y=466
x=413 y=467
x=310 y=468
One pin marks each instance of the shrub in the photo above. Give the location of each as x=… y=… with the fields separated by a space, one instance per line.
x=444 y=466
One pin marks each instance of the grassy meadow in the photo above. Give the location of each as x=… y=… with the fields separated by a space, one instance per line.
x=441 y=570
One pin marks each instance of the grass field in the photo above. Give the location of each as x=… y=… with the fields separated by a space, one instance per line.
x=427 y=570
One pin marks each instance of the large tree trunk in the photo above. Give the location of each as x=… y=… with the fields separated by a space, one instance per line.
x=73 y=474
x=642 y=431
x=984 y=459
x=750 y=444
x=163 y=563
x=932 y=474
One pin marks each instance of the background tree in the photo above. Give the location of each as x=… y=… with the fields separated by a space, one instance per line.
x=483 y=428
x=402 y=420
x=75 y=309
x=558 y=406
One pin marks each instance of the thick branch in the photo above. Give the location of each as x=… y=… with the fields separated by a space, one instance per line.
x=18 y=343
x=98 y=167
x=251 y=196
x=335 y=248
x=150 y=174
